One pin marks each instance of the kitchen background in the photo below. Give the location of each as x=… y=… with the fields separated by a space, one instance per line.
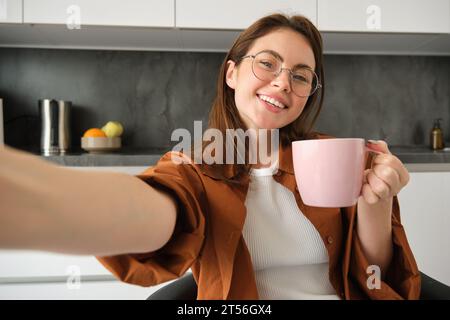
x=395 y=98
x=153 y=65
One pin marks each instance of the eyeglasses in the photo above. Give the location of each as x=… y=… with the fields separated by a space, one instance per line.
x=267 y=67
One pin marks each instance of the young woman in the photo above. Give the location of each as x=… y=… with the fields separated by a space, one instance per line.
x=242 y=229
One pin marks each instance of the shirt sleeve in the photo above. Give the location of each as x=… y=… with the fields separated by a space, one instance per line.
x=181 y=181
x=402 y=279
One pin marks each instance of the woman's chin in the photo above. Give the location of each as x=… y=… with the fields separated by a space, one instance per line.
x=263 y=123
x=268 y=125
x=271 y=124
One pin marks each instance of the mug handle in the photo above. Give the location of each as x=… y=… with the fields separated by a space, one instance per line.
x=370 y=150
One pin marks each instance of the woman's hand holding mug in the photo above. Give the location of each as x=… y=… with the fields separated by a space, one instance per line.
x=387 y=175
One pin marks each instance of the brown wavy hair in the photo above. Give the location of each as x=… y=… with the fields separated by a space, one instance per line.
x=224 y=113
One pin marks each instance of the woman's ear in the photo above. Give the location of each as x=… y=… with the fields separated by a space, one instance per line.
x=231 y=73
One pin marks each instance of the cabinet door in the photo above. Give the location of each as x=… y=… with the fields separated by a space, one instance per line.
x=236 y=14
x=424 y=207
x=142 y=13
x=10 y=11
x=34 y=264
x=415 y=16
x=85 y=290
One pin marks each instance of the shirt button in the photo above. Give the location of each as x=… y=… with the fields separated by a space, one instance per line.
x=330 y=239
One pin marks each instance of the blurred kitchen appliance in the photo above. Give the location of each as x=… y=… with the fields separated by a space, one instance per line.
x=55 y=126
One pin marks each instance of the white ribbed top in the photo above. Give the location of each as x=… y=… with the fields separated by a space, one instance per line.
x=289 y=257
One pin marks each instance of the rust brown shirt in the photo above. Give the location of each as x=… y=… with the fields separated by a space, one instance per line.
x=208 y=239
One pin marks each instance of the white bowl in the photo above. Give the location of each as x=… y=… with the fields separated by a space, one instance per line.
x=101 y=144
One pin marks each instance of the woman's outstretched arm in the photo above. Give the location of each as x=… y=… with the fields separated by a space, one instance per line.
x=47 y=207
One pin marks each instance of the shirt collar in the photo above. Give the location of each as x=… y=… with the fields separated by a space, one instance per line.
x=285 y=160
x=229 y=171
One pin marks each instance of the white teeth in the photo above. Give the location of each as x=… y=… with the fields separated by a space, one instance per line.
x=272 y=101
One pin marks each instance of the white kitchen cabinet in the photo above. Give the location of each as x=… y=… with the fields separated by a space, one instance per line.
x=425 y=213
x=10 y=11
x=135 y=13
x=236 y=14
x=86 y=290
x=17 y=264
x=403 y=16
x=407 y=27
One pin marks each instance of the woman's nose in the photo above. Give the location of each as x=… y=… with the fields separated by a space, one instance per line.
x=283 y=80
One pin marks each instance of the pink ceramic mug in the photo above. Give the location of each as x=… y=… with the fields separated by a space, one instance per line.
x=329 y=172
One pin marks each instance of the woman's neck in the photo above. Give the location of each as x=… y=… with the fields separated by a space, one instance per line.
x=267 y=151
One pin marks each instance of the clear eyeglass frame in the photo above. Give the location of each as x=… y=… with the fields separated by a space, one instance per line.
x=274 y=75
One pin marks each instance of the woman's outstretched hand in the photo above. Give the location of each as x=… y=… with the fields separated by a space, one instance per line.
x=51 y=208
x=387 y=176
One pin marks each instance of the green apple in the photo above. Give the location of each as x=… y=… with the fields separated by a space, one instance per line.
x=113 y=129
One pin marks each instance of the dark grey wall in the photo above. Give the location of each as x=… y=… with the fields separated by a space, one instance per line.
x=395 y=98
x=152 y=93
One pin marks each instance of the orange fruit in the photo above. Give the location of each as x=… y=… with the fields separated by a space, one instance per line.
x=94 y=132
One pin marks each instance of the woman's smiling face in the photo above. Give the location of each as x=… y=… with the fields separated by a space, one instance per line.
x=294 y=49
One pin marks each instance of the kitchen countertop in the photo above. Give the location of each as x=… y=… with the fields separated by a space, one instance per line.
x=412 y=156
x=421 y=154
x=423 y=158
x=123 y=157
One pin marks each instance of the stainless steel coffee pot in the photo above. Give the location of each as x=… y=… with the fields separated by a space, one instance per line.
x=55 y=126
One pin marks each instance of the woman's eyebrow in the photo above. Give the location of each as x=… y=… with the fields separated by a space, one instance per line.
x=298 y=65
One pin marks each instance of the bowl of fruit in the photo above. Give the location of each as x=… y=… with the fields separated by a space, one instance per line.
x=103 y=140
